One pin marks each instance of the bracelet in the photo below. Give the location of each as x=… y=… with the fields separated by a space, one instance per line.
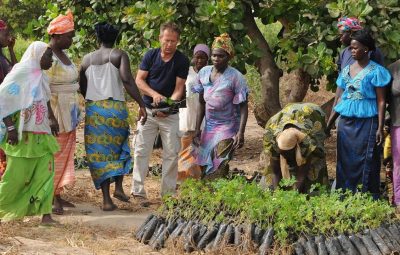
x=11 y=128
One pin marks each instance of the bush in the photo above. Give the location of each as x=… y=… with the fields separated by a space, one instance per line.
x=20 y=47
x=290 y=213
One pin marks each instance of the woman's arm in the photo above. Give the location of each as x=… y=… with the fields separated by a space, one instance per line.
x=239 y=138
x=130 y=86
x=199 y=118
x=334 y=115
x=53 y=121
x=13 y=58
x=381 y=101
x=12 y=134
x=82 y=77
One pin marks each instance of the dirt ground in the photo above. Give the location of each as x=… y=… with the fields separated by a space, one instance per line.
x=86 y=229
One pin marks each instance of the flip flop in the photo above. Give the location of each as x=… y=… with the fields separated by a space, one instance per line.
x=58 y=211
x=122 y=198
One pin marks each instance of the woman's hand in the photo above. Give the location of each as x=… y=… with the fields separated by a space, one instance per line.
x=142 y=115
x=12 y=137
x=11 y=43
x=54 y=126
x=196 y=137
x=238 y=140
x=379 y=136
x=328 y=131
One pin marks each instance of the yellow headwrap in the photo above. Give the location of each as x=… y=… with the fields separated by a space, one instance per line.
x=224 y=42
x=62 y=24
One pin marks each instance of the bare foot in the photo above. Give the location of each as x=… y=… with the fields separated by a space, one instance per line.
x=47 y=220
x=109 y=207
x=142 y=201
x=120 y=195
x=66 y=203
x=57 y=205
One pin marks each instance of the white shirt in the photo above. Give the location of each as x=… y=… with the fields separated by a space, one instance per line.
x=104 y=82
x=188 y=115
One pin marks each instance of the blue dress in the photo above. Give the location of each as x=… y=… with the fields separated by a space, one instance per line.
x=358 y=158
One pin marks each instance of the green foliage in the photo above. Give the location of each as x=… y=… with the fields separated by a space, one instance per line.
x=254 y=83
x=139 y=23
x=270 y=32
x=309 y=40
x=20 y=13
x=289 y=212
x=21 y=45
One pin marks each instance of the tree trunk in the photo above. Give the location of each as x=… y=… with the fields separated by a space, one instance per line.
x=299 y=90
x=268 y=70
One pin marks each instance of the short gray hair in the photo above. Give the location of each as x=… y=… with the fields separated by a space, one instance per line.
x=170 y=26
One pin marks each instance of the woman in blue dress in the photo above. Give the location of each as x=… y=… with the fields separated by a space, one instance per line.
x=362 y=113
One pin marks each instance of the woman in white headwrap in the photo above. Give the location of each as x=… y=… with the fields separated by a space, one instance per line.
x=294 y=146
x=27 y=126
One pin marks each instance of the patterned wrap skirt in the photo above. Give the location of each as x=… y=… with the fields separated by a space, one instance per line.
x=107 y=140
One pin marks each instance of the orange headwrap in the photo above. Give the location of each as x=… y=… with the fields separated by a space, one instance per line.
x=62 y=24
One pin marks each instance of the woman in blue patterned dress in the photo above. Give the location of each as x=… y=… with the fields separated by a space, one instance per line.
x=103 y=75
x=362 y=113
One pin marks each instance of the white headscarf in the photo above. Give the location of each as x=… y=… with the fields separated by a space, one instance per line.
x=25 y=84
x=287 y=140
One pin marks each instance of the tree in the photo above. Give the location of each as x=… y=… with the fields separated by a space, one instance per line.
x=19 y=13
x=307 y=44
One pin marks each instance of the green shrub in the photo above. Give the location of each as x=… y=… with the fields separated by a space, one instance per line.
x=21 y=44
x=289 y=212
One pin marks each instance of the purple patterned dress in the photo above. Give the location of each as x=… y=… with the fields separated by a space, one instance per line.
x=222 y=113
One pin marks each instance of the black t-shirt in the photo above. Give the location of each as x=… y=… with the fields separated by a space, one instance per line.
x=162 y=75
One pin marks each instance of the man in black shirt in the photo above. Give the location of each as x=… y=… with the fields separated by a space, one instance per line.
x=161 y=76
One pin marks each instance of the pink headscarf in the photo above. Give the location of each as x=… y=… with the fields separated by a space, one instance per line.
x=202 y=47
x=3 y=25
x=349 y=24
x=62 y=24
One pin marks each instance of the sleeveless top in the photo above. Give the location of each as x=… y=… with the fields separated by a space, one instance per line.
x=104 y=81
x=64 y=97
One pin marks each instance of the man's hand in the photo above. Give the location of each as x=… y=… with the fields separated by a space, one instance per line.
x=157 y=99
x=142 y=115
x=161 y=115
x=238 y=141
